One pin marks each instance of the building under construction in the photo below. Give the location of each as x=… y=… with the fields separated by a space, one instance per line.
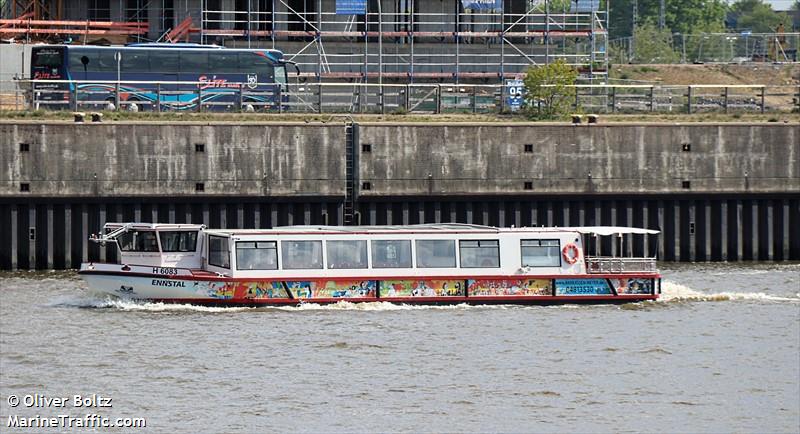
x=357 y=40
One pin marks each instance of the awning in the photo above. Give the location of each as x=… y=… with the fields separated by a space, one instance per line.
x=613 y=230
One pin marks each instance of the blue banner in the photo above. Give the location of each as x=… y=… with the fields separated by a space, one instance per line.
x=496 y=5
x=351 y=7
x=582 y=287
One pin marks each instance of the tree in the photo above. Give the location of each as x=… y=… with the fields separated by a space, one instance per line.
x=550 y=89
x=653 y=45
x=680 y=16
x=757 y=16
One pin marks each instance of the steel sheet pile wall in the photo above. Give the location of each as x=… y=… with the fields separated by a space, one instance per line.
x=719 y=192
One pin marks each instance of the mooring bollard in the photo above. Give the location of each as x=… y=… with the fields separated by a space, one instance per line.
x=97 y=117
x=78 y=117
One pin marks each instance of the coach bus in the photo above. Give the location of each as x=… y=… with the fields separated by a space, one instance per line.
x=153 y=75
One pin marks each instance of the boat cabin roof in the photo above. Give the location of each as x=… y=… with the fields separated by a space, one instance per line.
x=421 y=228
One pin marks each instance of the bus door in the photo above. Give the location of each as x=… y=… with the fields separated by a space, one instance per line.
x=48 y=63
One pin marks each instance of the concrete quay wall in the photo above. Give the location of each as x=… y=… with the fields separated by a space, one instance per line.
x=288 y=160
x=727 y=192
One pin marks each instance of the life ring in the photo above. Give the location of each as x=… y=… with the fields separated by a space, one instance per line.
x=570 y=253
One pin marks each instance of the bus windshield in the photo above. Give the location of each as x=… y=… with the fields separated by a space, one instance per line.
x=280 y=74
x=48 y=57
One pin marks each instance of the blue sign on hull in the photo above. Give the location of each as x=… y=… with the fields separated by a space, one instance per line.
x=582 y=287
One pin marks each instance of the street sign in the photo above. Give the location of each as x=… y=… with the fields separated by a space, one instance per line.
x=515 y=92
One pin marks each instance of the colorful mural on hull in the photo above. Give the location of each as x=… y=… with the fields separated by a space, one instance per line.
x=509 y=287
x=332 y=289
x=245 y=290
x=582 y=287
x=422 y=288
x=633 y=286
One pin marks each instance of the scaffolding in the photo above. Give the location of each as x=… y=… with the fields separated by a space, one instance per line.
x=412 y=41
x=394 y=40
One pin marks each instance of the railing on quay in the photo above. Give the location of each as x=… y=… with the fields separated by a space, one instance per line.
x=383 y=98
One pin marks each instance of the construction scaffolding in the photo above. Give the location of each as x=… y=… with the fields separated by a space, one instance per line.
x=394 y=40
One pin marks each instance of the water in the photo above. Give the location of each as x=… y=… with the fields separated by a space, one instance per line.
x=719 y=353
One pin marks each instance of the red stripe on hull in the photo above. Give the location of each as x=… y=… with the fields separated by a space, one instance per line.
x=474 y=300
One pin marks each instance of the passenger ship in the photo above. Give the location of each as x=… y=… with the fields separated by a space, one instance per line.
x=417 y=264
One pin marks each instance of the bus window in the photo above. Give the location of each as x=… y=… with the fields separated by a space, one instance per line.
x=436 y=253
x=347 y=254
x=280 y=74
x=193 y=62
x=391 y=254
x=163 y=61
x=222 y=62
x=178 y=241
x=138 y=241
x=218 y=252
x=479 y=253
x=252 y=63
x=98 y=60
x=135 y=61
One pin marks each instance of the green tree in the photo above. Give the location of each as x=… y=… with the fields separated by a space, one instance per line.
x=653 y=45
x=680 y=16
x=550 y=89
x=757 y=16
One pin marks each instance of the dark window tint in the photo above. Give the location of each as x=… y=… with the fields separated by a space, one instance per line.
x=48 y=57
x=252 y=63
x=221 y=61
x=391 y=254
x=164 y=61
x=479 y=253
x=256 y=255
x=218 y=252
x=436 y=253
x=135 y=61
x=98 y=60
x=194 y=62
x=138 y=241
x=178 y=241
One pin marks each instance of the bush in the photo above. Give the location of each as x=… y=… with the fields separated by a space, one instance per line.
x=549 y=90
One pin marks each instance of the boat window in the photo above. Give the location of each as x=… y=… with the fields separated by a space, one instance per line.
x=436 y=253
x=175 y=241
x=479 y=253
x=540 y=253
x=256 y=255
x=347 y=254
x=218 y=252
x=301 y=255
x=391 y=254
x=138 y=241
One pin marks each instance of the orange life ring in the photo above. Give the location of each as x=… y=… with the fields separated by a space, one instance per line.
x=570 y=253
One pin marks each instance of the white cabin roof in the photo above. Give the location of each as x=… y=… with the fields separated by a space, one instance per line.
x=432 y=228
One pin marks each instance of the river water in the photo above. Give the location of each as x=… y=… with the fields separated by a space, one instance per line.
x=720 y=352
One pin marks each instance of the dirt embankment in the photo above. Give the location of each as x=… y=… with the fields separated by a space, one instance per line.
x=759 y=74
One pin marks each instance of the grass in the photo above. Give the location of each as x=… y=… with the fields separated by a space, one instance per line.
x=172 y=117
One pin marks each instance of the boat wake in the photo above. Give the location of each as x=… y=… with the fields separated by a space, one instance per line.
x=672 y=292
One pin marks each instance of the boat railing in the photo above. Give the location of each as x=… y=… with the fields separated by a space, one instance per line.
x=605 y=264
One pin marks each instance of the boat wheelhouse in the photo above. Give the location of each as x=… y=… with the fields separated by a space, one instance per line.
x=416 y=264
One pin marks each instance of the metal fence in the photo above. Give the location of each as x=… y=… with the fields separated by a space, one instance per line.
x=710 y=48
x=388 y=98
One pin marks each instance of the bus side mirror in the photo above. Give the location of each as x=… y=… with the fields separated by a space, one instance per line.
x=297 y=71
x=85 y=61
